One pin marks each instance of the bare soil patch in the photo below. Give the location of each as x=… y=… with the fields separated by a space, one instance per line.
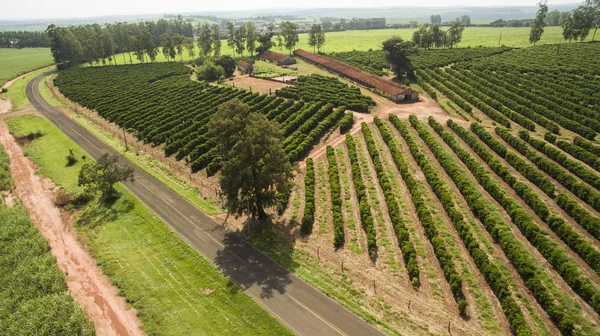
x=255 y=84
x=90 y=288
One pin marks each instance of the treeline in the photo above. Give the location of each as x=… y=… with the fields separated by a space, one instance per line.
x=354 y=24
x=490 y=271
x=23 y=39
x=94 y=43
x=434 y=37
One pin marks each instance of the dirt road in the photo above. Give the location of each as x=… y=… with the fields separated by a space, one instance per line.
x=90 y=288
x=303 y=308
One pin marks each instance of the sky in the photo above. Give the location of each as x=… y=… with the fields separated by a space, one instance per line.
x=54 y=9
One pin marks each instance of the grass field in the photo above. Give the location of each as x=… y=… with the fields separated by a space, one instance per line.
x=372 y=39
x=16 y=92
x=175 y=290
x=16 y=62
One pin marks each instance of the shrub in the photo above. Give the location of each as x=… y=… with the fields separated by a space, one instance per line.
x=309 y=198
x=210 y=72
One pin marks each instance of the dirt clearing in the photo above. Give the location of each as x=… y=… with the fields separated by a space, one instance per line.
x=89 y=287
x=255 y=84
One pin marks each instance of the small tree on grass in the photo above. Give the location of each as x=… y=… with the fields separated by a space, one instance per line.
x=103 y=175
x=254 y=165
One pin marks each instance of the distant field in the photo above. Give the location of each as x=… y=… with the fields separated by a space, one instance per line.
x=19 y=61
x=474 y=36
x=372 y=39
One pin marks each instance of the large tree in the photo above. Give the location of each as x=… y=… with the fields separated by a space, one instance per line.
x=316 y=37
x=216 y=40
x=289 y=31
x=537 y=28
x=240 y=39
x=103 y=175
x=205 y=38
x=251 y=37
x=254 y=165
x=454 y=34
x=396 y=53
x=231 y=36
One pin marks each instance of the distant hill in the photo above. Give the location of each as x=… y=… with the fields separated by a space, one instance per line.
x=421 y=14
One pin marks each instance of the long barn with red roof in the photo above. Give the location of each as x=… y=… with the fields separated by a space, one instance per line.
x=384 y=87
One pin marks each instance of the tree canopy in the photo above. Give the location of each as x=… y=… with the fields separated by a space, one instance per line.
x=537 y=28
x=396 y=53
x=103 y=175
x=254 y=165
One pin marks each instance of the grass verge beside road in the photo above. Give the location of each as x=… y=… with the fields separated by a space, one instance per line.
x=175 y=290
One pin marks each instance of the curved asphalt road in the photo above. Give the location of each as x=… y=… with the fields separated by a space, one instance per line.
x=303 y=308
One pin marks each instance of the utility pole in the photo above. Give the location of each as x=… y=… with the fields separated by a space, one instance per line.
x=500 y=39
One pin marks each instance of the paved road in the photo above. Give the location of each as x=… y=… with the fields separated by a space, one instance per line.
x=303 y=308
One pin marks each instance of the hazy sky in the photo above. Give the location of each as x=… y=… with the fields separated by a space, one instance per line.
x=52 y=9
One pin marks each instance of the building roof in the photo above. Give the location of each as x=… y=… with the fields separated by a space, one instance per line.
x=354 y=73
x=272 y=56
x=243 y=63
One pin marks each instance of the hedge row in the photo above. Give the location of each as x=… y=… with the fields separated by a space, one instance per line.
x=336 y=198
x=530 y=172
x=569 y=119
x=309 y=198
x=491 y=273
x=303 y=142
x=489 y=102
x=483 y=107
x=347 y=122
x=449 y=92
x=429 y=89
x=366 y=218
x=573 y=239
x=536 y=112
x=580 y=154
x=574 y=166
x=554 y=253
x=587 y=145
x=527 y=267
x=409 y=253
x=328 y=90
x=581 y=190
x=425 y=216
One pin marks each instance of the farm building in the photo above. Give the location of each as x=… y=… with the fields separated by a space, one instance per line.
x=277 y=58
x=384 y=87
x=244 y=67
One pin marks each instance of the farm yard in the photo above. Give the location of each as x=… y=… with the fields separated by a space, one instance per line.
x=438 y=189
x=488 y=221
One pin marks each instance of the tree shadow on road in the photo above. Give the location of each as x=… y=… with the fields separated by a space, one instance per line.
x=267 y=264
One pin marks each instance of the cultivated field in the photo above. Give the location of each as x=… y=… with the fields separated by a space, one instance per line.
x=482 y=219
x=19 y=61
x=34 y=297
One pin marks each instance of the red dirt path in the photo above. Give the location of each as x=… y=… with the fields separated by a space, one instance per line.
x=89 y=287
